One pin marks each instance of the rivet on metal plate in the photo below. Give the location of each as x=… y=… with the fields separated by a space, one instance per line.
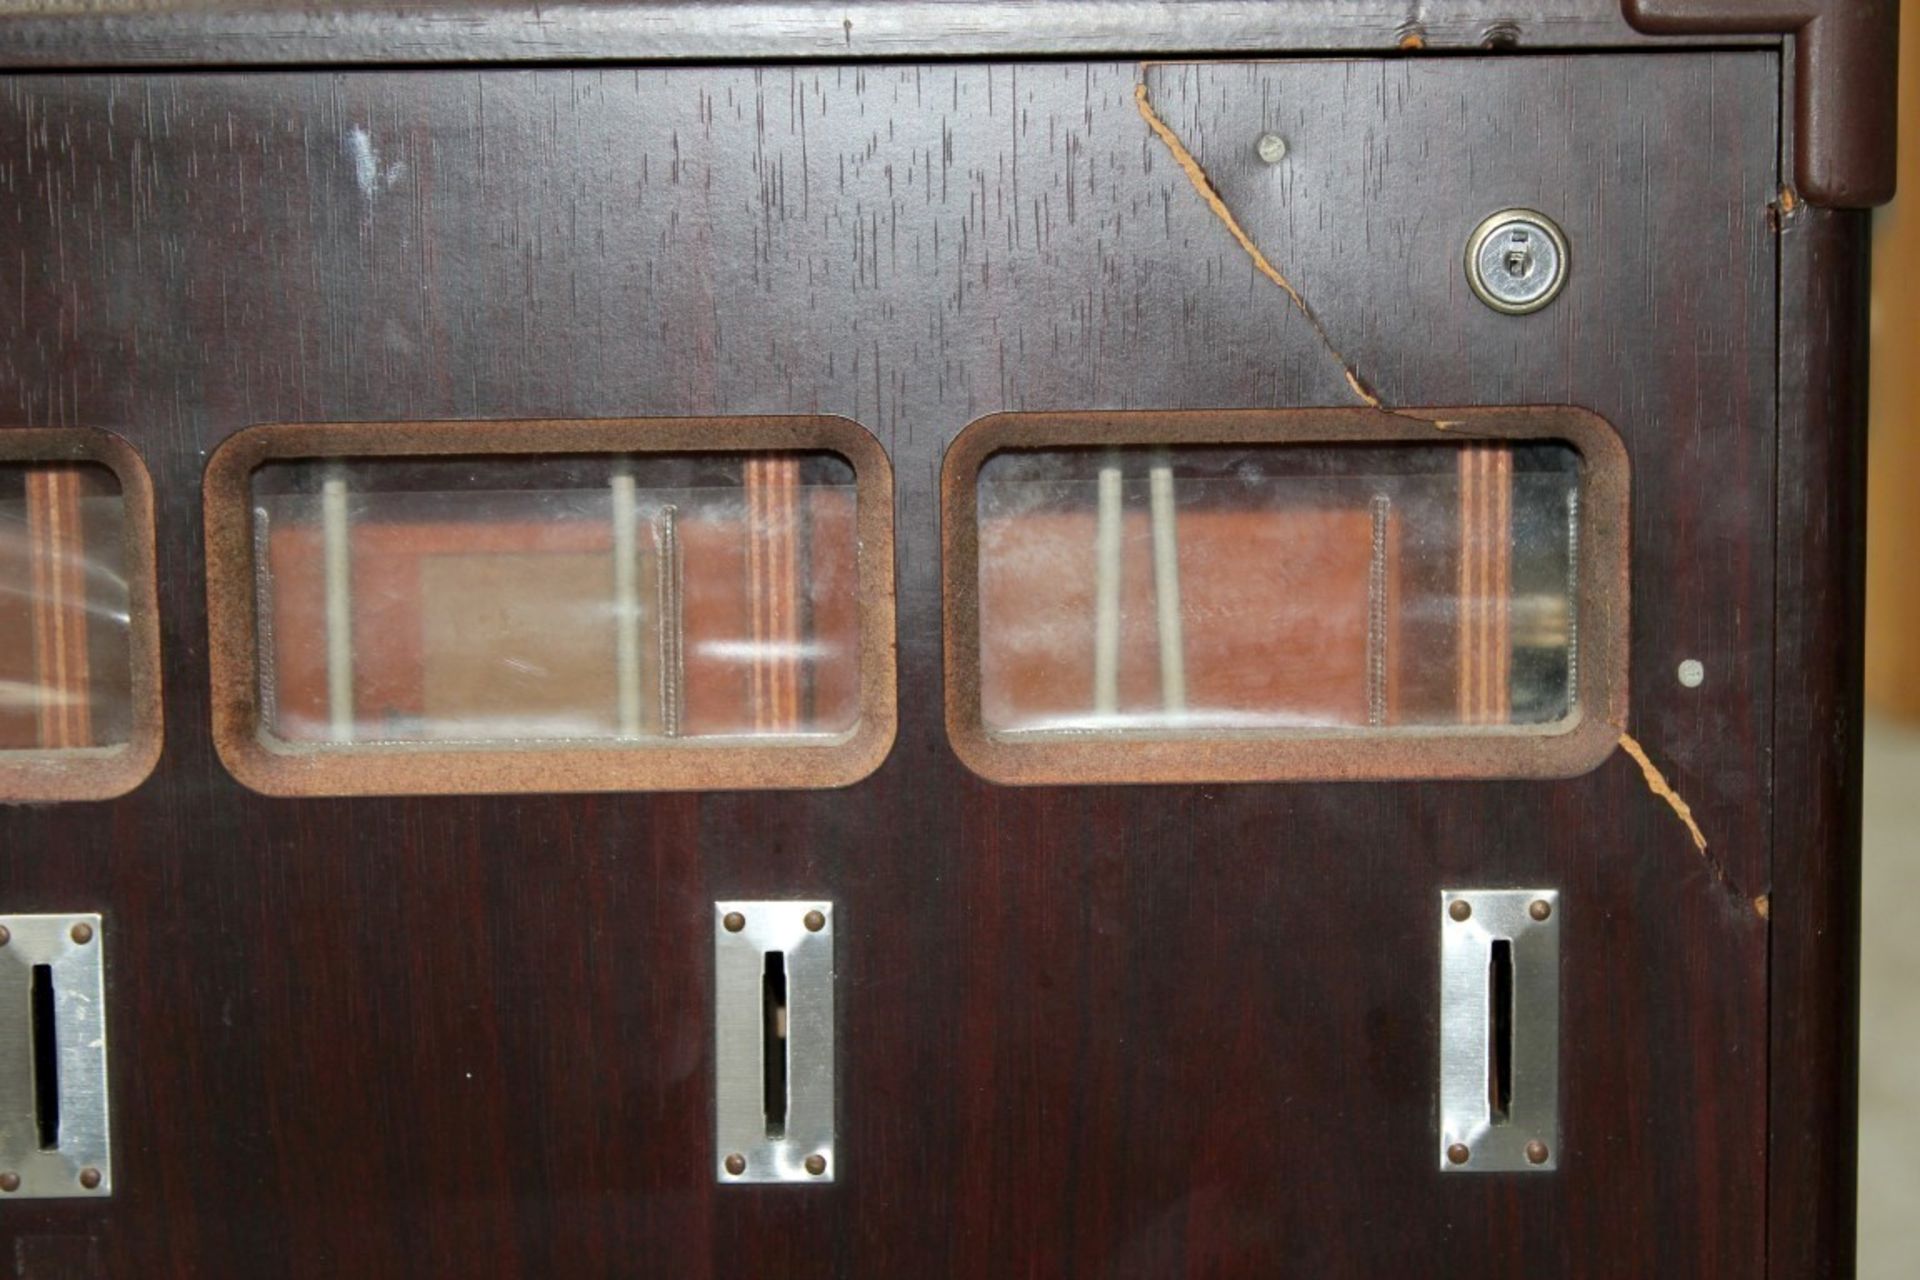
x=1500 y=1031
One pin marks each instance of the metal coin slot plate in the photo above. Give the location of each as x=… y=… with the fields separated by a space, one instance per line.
x=52 y=1154
x=771 y=1147
x=1474 y=1039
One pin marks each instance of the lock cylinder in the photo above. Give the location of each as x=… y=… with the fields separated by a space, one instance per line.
x=1517 y=261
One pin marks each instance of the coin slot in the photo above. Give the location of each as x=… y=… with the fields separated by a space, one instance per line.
x=46 y=1060
x=1500 y=1025
x=773 y=988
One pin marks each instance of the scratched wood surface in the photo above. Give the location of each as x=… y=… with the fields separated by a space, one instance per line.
x=1099 y=1031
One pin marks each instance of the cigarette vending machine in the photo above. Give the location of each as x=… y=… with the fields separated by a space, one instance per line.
x=903 y=638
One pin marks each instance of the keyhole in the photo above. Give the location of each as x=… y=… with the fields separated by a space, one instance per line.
x=1520 y=256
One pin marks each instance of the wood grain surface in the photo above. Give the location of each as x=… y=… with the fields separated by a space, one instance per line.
x=89 y=34
x=1117 y=1031
x=1821 y=599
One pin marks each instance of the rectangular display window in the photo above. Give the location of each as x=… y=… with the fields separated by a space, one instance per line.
x=646 y=617
x=63 y=608
x=1280 y=595
x=79 y=708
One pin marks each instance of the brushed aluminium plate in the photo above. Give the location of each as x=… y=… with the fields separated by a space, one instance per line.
x=82 y=1148
x=741 y=1042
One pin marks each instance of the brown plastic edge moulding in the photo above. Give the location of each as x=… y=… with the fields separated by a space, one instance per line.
x=1297 y=755
x=100 y=773
x=1847 y=77
x=280 y=769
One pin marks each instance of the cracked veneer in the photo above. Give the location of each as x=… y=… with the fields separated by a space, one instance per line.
x=1762 y=905
x=1203 y=185
x=1657 y=783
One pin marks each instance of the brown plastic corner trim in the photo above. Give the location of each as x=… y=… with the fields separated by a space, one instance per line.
x=1308 y=755
x=100 y=773
x=1847 y=73
x=276 y=768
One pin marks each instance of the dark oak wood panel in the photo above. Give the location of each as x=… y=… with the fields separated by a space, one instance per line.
x=1099 y=1031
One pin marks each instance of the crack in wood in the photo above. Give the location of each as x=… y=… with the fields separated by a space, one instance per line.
x=1203 y=186
x=1209 y=193
x=1657 y=783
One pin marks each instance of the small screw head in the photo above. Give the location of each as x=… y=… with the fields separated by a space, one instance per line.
x=6 y=935
x=1460 y=909
x=1540 y=909
x=1458 y=1153
x=1536 y=1152
x=815 y=922
x=816 y=1165
x=90 y=1178
x=1692 y=673
x=734 y=921
x=9 y=1181
x=1272 y=148
x=736 y=1164
x=81 y=933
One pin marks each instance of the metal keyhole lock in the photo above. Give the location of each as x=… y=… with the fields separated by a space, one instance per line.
x=1517 y=261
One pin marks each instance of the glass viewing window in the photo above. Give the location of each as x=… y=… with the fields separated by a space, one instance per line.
x=65 y=673
x=1203 y=589
x=561 y=602
x=1351 y=589
x=79 y=637
x=575 y=598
